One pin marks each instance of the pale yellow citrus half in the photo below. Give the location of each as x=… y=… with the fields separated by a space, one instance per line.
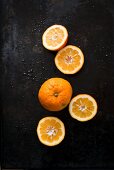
x=55 y=37
x=50 y=131
x=69 y=60
x=83 y=107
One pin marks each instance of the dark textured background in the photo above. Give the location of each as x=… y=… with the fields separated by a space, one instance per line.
x=27 y=64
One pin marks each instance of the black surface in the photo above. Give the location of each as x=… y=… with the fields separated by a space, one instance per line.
x=27 y=64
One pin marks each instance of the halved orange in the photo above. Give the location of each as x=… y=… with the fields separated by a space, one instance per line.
x=69 y=60
x=55 y=37
x=50 y=131
x=83 y=107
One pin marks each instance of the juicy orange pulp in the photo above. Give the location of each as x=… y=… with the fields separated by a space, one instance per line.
x=69 y=60
x=51 y=131
x=83 y=107
x=55 y=37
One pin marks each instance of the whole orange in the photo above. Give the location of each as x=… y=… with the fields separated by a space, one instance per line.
x=55 y=94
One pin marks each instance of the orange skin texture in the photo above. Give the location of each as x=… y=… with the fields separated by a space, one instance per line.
x=55 y=94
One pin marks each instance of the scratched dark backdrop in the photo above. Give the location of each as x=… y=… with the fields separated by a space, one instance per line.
x=26 y=64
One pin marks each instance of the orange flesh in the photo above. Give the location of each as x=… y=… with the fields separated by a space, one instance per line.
x=54 y=37
x=83 y=107
x=50 y=130
x=69 y=59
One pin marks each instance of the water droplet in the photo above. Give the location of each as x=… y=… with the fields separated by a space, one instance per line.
x=30 y=71
x=24 y=73
x=22 y=60
x=29 y=74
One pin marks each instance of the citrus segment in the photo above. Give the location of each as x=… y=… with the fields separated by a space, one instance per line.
x=50 y=131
